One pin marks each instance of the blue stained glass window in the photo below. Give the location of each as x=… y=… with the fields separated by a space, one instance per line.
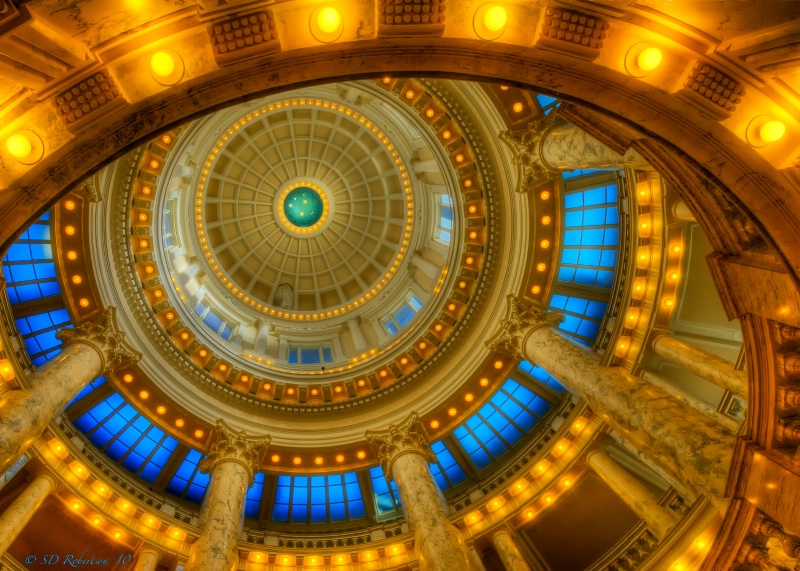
x=387 y=498
x=547 y=103
x=39 y=334
x=511 y=412
x=445 y=470
x=188 y=481
x=253 y=501
x=541 y=375
x=581 y=316
x=318 y=499
x=116 y=427
x=28 y=267
x=88 y=389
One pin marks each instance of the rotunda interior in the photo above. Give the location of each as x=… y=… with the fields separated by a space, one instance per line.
x=404 y=285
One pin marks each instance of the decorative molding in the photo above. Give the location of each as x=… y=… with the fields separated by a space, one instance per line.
x=411 y=18
x=712 y=90
x=86 y=97
x=105 y=337
x=232 y=446
x=527 y=146
x=521 y=320
x=575 y=32
x=239 y=37
x=406 y=437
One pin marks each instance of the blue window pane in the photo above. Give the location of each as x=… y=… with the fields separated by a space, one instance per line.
x=576 y=305
x=310 y=356
x=280 y=513
x=293 y=356
x=404 y=316
x=391 y=327
x=415 y=303
x=327 y=355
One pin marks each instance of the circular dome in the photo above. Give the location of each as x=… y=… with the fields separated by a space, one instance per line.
x=303 y=207
x=306 y=192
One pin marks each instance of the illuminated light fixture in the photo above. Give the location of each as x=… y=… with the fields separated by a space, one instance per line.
x=161 y=410
x=76 y=279
x=446 y=135
x=548 y=499
x=203 y=352
x=459 y=158
x=517 y=107
x=71 y=255
x=361 y=454
x=434 y=424
x=473 y=235
x=641 y=59
x=170 y=315
x=179 y=423
x=438 y=327
x=451 y=307
x=430 y=113
x=166 y=67
x=541 y=267
x=314 y=392
x=484 y=382
x=673 y=276
x=144 y=395
x=361 y=382
x=117 y=534
x=387 y=79
x=25 y=146
x=318 y=460
x=184 y=336
x=468 y=183
x=676 y=249
x=326 y=24
x=69 y=205
x=469 y=260
x=462 y=285
x=536 y=289
x=70 y=230
x=422 y=345
x=490 y=21
x=469 y=397
x=452 y=412
x=166 y=139
x=297 y=460
x=545 y=195
x=154 y=164
x=275 y=458
x=529 y=514
x=763 y=130
x=668 y=302
x=403 y=361
x=340 y=458
x=96 y=521
x=498 y=365
x=76 y=505
x=290 y=391
x=473 y=209
x=127 y=378
x=545 y=220
x=84 y=302
x=198 y=434
x=567 y=482
x=545 y=243
x=623 y=345
x=223 y=367
x=410 y=94
x=503 y=88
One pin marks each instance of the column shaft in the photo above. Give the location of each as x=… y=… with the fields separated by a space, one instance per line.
x=693 y=448
x=509 y=553
x=21 y=510
x=221 y=519
x=634 y=493
x=566 y=147
x=359 y=341
x=703 y=364
x=682 y=212
x=24 y=413
x=147 y=560
x=440 y=546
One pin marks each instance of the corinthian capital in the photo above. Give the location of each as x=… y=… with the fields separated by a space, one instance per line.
x=232 y=446
x=527 y=146
x=106 y=338
x=408 y=436
x=520 y=321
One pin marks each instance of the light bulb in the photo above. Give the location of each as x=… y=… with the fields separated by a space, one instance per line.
x=162 y=64
x=649 y=59
x=19 y=146
x=770 y=131
x=329 y=20
x=495 y=18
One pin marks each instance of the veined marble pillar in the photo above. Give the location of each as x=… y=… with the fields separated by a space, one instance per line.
x=550 y=146
x=633 y=492
x=509 y=553
x=147 y=558
x=21 y=510
x=706 y=365
x=90 y=349
x=232 y=463
x=690 y=447
x=405 y=455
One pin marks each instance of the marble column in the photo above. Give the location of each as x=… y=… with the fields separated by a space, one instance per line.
x=633 y=492
x=18 y=514
x=428 y=268
x=507 y=550
x=404 y=454
x=690 y=447
x=147 y=558
x=703 y=364
x=262 y=334
x=232 y=462
x=550 y=146
x=681 y=211
x=359 y=341
x=89 y=350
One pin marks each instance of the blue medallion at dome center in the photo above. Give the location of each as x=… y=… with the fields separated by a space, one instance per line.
x=303 y=207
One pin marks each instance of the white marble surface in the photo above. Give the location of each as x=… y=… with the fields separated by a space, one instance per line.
x=18 y=514
x=703 y=364
x=147 y=559
x=509 y=553
x=634 y=493
x=692 y=448
x=566 y=147
x=439 y=545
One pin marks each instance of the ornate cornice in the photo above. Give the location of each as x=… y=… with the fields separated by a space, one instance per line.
x=104 y=336
x=232 y=446
x=521 y=320
x=398 y=439
x=527 y=146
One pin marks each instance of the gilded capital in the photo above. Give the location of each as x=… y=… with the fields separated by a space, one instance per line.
x=232 y=446
x=408 y=436
x=104 y=335
x=527 y=147
x=521 y=320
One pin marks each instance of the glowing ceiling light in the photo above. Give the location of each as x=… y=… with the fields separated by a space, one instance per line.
x=162 y=64
x=649 y=59
x=495 y=18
